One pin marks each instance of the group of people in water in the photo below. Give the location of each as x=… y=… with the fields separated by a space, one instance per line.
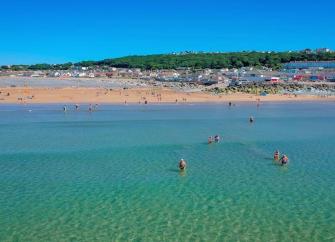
x=283 y=160
x=91 y=107
x=211 y=139
x=214 y=139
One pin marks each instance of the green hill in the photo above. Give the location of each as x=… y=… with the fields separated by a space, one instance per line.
x=191 y=60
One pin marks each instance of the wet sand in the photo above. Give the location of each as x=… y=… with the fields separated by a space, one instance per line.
x=134 y=95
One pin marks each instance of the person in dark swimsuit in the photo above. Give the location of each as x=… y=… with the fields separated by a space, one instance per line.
x=284 y=160
x=182 y=164
x=251 y=119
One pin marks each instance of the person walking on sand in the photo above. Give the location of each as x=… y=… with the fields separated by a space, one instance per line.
x=182 y=164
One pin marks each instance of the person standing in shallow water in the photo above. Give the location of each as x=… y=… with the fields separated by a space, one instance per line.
x=276 y=155
x=284 y=160
x=251 y=119
x=182 y=164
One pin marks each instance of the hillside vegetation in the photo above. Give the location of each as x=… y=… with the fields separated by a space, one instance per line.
x=272 y=60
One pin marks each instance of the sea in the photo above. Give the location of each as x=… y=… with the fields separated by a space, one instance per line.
x=112 y=174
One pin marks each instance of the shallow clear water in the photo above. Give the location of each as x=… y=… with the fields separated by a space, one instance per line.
x=112 y=175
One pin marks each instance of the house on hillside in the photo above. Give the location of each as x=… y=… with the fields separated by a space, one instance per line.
x=310 y=65
x=323 y=50
x=273 y=80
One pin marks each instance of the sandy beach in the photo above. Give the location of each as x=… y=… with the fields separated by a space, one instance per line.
x=135 y=95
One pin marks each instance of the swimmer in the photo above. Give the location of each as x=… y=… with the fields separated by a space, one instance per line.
x=210 y=139
x=276 y=155
x=77 y=106
x=251 y=119
x=217 y=138
x=182 y=164
x=284 y=160
x=64 y=108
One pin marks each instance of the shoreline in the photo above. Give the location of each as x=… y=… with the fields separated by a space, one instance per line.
x=153 y=95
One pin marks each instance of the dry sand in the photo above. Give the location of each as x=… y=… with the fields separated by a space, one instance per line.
x=134 y=95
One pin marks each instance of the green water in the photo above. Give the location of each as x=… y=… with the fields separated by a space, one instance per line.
x=112 y=175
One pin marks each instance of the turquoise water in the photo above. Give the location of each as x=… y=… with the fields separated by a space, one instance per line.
x=112 y=175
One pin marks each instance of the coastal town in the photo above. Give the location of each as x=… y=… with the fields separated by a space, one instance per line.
x=316 y=78
x=291 y=71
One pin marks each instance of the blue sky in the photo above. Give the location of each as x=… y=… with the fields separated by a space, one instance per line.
x=38 y=31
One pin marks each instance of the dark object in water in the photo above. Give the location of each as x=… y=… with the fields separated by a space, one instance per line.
x=182 y=164
x=284 y=160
